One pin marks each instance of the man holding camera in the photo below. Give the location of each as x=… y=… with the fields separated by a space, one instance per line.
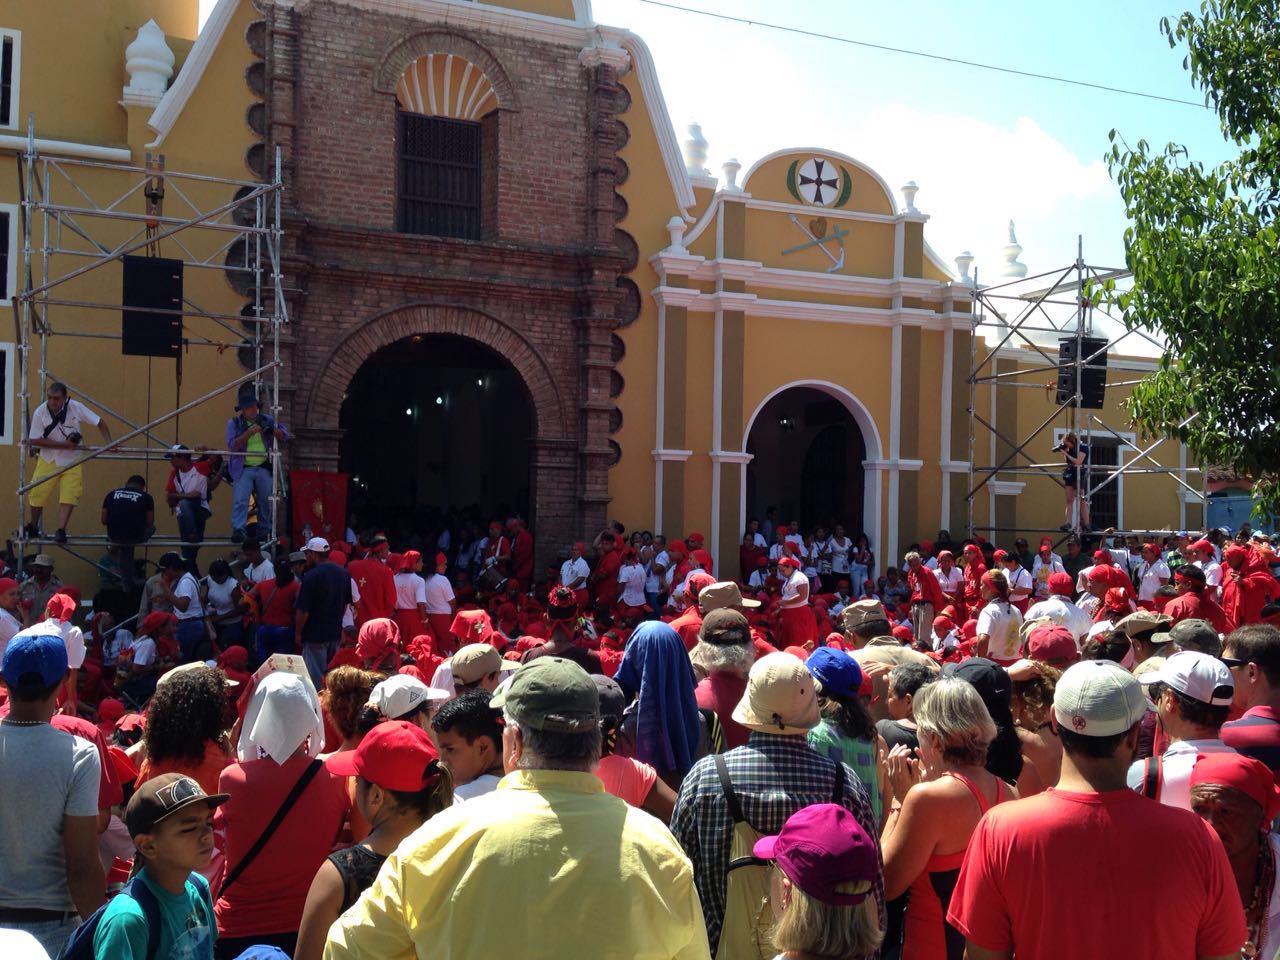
x=251 y=431
x=1076 y=454
x=56 y=435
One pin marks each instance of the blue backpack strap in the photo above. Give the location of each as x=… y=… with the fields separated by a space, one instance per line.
x=141 y=893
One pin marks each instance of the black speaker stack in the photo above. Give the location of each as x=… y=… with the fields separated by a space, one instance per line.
x=152 y=284
x=1093 y=374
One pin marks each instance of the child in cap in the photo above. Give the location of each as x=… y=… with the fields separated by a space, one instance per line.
x=170 y=819
x=825 y=866
x=400 y=785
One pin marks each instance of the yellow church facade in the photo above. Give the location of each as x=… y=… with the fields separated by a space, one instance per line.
x=781 y=336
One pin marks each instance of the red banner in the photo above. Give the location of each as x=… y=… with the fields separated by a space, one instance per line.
x=320 y=502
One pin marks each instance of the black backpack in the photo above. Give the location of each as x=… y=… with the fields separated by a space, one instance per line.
x=80 y=946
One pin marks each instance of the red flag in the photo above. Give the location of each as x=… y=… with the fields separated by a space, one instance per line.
x=319 y=500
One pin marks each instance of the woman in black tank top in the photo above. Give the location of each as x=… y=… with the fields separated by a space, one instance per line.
x=393 y=756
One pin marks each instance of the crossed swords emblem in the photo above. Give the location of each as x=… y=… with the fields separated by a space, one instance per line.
x=820 y=240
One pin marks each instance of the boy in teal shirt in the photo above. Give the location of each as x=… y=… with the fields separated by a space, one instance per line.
x=170 y=819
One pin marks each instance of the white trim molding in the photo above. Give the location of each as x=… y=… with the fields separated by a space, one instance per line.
x=198 y=59
x=676 y=456
x=10 y=393
x=67 y=148
x=15 y=87
x=1006 y=488
x=955 y=466
x=731 y=456
x=10 y=279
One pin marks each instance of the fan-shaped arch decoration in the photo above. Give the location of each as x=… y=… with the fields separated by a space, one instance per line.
x=445 y=85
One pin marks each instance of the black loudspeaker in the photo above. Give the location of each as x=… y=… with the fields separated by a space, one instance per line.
x=1093 y=376
x=150 y=284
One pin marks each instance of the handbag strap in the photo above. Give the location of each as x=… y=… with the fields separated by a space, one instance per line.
x=307 y=776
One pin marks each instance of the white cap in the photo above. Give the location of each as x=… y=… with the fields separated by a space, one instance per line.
x=1098 y=698
x=317 y=545
x=401 y=694
x=1198 y=676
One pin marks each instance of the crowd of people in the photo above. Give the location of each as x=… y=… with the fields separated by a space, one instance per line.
x=352 y=752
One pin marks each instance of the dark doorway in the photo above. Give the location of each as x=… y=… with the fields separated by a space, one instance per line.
x=807 y=455
x=436 y=425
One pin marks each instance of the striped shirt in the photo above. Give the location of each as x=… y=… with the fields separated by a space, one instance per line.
x=1256 y=734
x=773 y=776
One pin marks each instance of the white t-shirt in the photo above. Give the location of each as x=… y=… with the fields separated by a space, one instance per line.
x=758 y=540
x=571 y=570
x=758 y=579
x=411 y=590
x=952 y=582
x=78 y=417
x=9 y=625
x=257 y=572
x=72 y=638
x=1150 y=575
x=1040 y=572
x=1175 y=770
x=439 y=593
x=839 y=550
x=791 y=589
x=795 y=538
x=188 y=587
x=220 y=597
x=1212 y=572
x=192 y=481
x=119 y=640
x=485 y=783
x=1064 y=613
x=631 y=576
x=144 y=651
x=652 y=584
x=1019 y=579
x=1000 y=622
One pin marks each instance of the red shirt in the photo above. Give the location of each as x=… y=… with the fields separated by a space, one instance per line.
x=269 y=895
x=606 y=576
x=1053 y=876
x=687 y=625
x=377 y=585
x=110 y=792
x=1195 y=606
x=720 y=693
x=1256 y=734
x=925 y=587
x=522 y=556
x=279 y=602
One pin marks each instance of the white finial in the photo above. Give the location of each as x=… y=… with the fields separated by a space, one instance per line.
x=149 y=63
x=909 y=190
x=695 y=152
x=1012 y=268
x=675 y=227
x=731 y=168
x=963 y=263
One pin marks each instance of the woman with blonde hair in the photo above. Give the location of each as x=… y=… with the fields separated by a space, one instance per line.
x=940 y=794
x=825 y=867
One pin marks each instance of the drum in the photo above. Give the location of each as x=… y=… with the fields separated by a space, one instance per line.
x=491 y=580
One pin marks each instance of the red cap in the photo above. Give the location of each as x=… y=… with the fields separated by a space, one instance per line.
x=821 y=848
x=1102 y=556
x=60 y=607
x=695 y=538
x=441 y=558
x=1051 y=643
x=1251 y=777
x=1096 y=575
x=1000 y=556
x=1060 y=584
x=693 y=586
x=903 y=632
x=972 y=548
x=408 y=559
x=1046 y=542
x=8 y=583
x=395 y=755
x=1203 y=546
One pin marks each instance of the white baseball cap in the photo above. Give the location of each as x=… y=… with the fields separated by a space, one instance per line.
x=317 y=545
x=1098 y=698
x=402 y=694
x=1198 y=676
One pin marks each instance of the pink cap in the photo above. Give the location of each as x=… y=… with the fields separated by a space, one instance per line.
x=820 y=848
x=396 y=755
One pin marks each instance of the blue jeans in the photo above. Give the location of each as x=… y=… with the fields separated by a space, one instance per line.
x=191 y=634
x=317 y=657
x=191 y=520
x=51 y=934
x=274 y=640
x=255 y=480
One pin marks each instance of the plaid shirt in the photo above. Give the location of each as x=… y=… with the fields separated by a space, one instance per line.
x=773 y=776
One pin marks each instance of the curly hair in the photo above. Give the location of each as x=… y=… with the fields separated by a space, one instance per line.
x=1034 y=697
x=346 y=691
x=184 y=714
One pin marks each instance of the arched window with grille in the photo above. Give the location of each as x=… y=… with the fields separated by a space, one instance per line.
x=446 y=148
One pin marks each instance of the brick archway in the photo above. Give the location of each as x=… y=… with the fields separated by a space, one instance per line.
x=324 y=402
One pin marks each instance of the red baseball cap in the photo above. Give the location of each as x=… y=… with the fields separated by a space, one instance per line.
x=693 y=586
x=820 y=848
x=1060 y=583
x=1052 y=643
x=395 y=755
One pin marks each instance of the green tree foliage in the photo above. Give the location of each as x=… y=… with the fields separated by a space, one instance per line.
x=1204 y=254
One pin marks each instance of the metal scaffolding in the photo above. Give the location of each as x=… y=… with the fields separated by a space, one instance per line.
x=71 y=228
x=1053 y=304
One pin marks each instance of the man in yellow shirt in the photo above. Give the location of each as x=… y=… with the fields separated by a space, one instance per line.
x=548 y=865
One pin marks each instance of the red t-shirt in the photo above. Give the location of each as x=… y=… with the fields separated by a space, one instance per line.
x=1054 y=876
x=925 y=587
x=627 y=778
x=720 y=693
x=687 y=625
x=110 y=792
x=279 y=602
x=377 y=589
x=269 y=895
x=1194 y=606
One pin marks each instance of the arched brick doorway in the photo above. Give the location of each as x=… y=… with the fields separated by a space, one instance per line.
x=553 y=453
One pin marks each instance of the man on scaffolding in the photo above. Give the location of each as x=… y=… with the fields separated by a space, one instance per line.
x=56 y=435
x=1076 y=454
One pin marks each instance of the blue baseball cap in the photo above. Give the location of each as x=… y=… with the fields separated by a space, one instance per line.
x=35 y=650
x=838 y=672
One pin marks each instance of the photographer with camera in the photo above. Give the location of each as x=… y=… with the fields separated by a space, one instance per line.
x=1076 y=454
x=56 y=437
x=251 y=431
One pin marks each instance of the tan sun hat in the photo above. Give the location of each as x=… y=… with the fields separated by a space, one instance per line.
x=717 y=596
x=856 y=614
x=780 y=697
x=476 y=661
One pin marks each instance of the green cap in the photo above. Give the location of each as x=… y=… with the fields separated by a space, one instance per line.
x=552 y=694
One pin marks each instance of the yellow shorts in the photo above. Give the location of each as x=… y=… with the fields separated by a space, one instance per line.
x=69 y=486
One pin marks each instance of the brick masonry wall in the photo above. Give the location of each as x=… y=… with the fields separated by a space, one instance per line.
x=540 y=289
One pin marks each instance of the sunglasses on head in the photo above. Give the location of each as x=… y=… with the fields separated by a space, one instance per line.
x=1233 y=662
